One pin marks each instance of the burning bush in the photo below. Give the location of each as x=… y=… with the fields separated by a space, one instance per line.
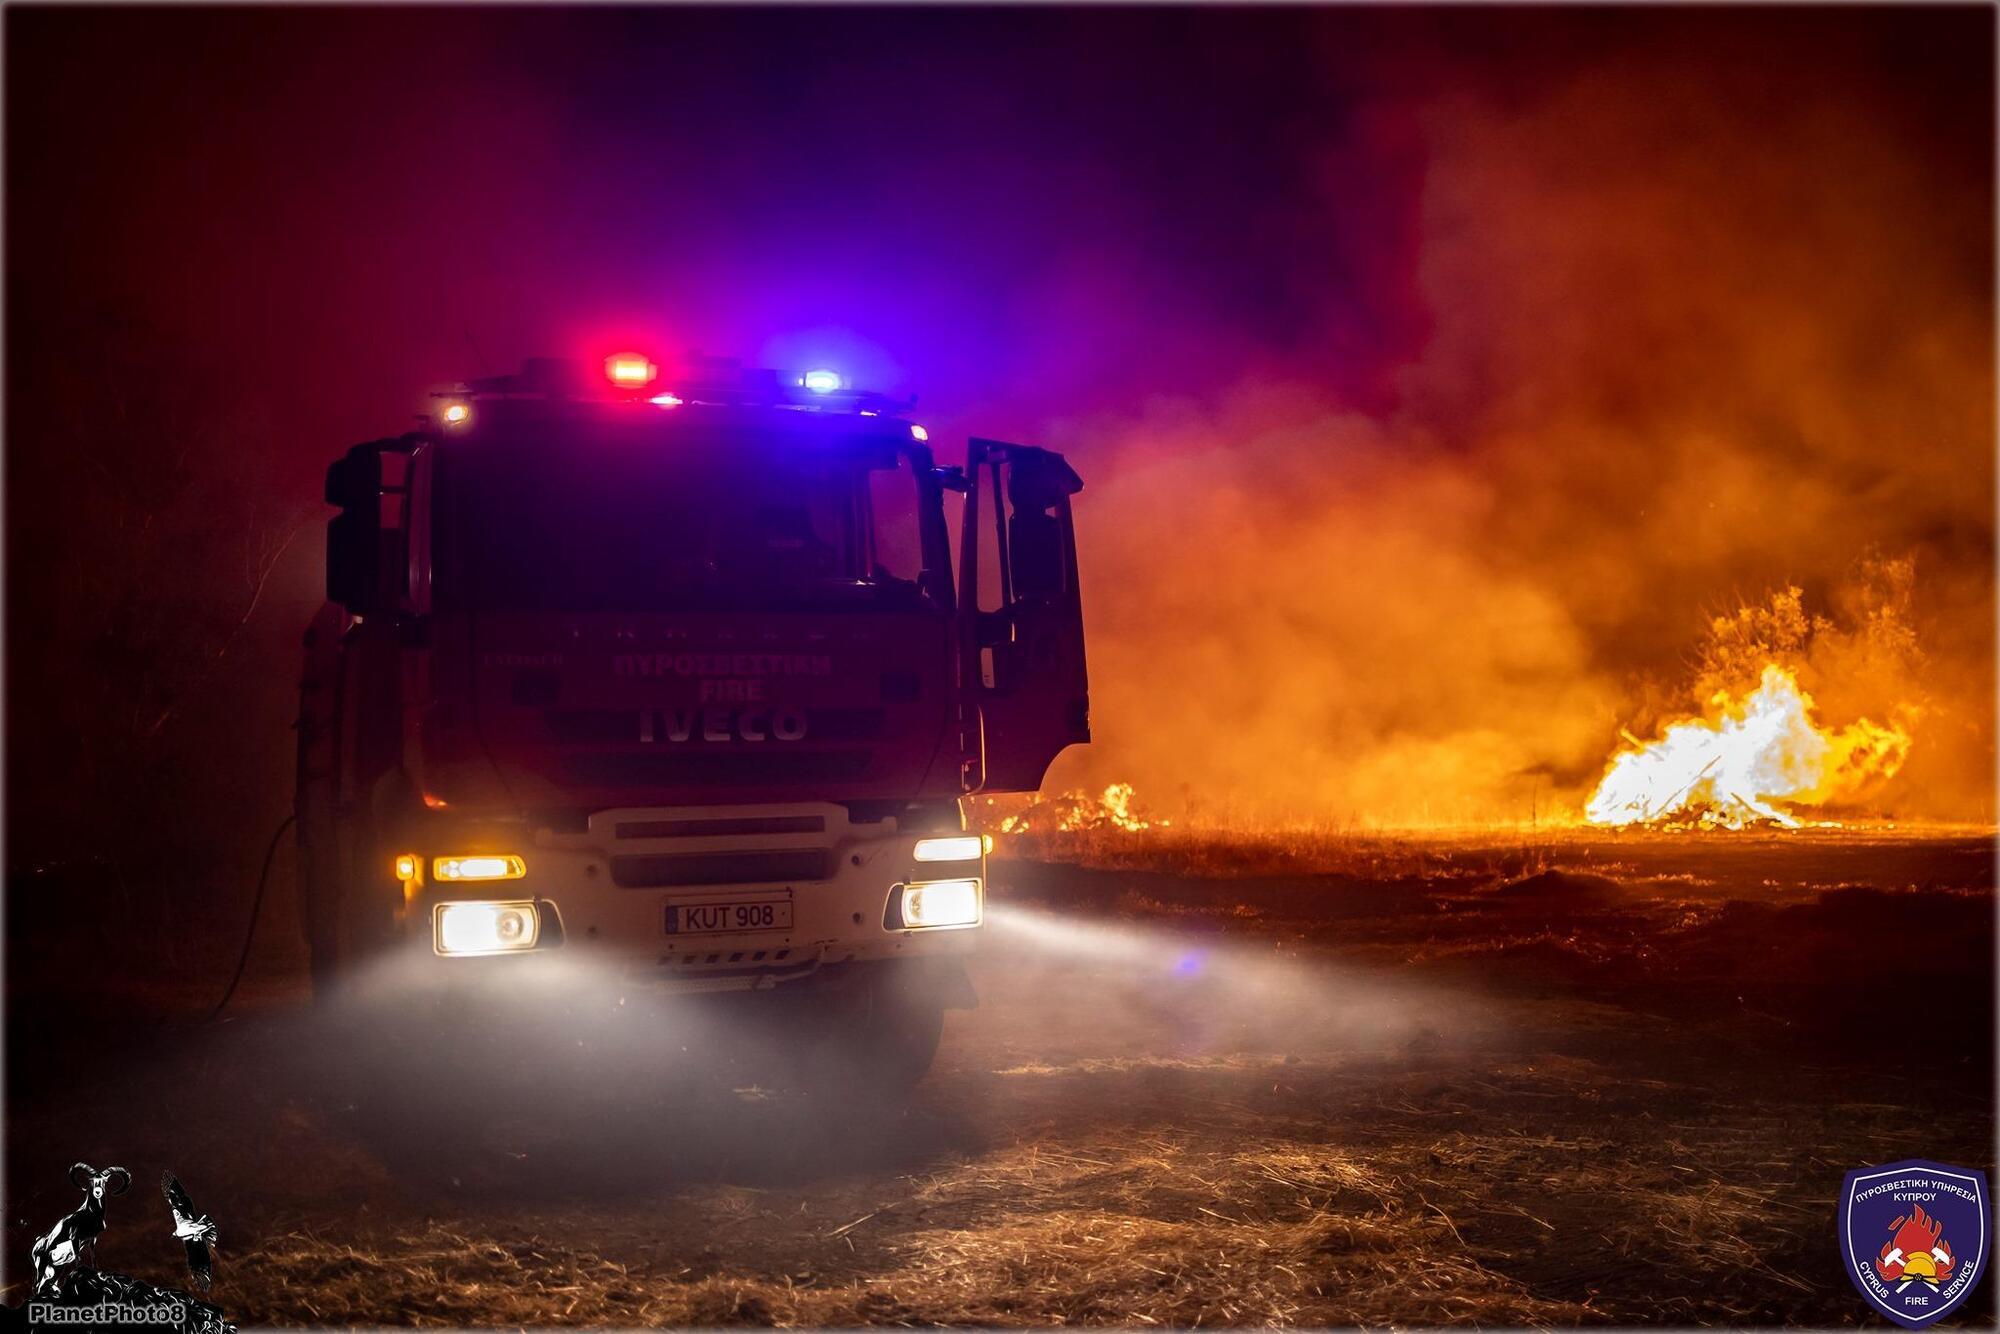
x=1755 y=753
x=1748 y=762
x=1076 y=811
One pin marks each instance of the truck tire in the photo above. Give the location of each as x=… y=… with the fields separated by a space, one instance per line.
x=320 y=903
x=315 y=793
x=901 y=1041
x=877 y=1035
x=349 y=912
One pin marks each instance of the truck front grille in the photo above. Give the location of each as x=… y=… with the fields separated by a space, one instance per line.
x=715 y=768
x=602 y=727
x=731 y=826
x=764 y=866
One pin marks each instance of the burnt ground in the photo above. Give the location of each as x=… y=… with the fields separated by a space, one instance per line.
x=1610 y=1082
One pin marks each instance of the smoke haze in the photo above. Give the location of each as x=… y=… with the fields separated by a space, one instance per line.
x=1700 y=332
x=1438 y=377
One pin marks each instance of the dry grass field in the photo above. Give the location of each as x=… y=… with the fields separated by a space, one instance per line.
x=1334 y=1079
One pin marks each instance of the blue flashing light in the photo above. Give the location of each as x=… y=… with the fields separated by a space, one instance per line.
x=821 y=381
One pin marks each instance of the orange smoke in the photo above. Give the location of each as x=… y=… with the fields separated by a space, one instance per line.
x=1700 y=324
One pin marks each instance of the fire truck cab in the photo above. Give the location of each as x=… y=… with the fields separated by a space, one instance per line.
x=671 y=674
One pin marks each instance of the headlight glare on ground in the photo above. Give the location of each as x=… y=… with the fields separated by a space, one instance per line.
x=479 y=866
x=486 y=928
x=958 y=848
x=940 y=903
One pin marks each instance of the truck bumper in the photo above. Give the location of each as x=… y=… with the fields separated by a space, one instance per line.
x=688 y=899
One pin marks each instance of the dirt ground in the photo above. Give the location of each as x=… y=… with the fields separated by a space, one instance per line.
x=1577 y=1082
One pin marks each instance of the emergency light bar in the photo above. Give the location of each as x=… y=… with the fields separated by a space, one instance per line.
x=634 y=377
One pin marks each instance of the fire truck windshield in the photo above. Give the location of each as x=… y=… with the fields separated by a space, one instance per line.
x=716 y=522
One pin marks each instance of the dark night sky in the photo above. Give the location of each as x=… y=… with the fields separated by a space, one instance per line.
x=365 y=188
x=239 y=240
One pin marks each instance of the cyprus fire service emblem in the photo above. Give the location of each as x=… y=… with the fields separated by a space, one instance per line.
x=1914 y=1237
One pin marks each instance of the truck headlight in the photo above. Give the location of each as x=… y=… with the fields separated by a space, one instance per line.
x=958 y=848
x=486 y=928
x=479 y=866
x=931 y=904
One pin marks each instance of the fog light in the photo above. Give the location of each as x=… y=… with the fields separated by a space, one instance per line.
x=939 y=903
x=961 y=848
x=480 y=866
x=486 y=928
x=630 y=370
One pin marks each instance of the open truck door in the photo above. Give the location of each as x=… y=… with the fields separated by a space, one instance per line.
x=1022 y=651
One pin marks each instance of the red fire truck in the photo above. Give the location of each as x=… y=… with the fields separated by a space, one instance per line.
x=670 y=673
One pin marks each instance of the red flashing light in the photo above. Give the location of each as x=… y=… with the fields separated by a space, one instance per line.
x=629 y=370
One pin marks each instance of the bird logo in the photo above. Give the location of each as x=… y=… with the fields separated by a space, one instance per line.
x=193 y=1229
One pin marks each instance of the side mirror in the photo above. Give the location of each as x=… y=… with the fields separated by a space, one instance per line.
x=350 y=535
x=1035 y=550
x=1021 y=653
x=1039 y=485
x=1039 y=480
x=366 y=543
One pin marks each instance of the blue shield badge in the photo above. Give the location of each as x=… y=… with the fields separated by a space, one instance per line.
x=1913 y=1235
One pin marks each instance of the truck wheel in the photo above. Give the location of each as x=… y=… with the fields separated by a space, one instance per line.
x=317 y=840
x=350 y=915
x=319 y=904
x=878 y=1040
x=902 y=1040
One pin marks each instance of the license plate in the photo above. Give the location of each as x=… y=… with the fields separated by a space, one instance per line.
x=694 y=919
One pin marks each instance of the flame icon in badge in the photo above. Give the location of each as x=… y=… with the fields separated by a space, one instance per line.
x=1917 y=1253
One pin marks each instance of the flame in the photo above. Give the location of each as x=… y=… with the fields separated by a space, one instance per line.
x=1116 y=809
x=1076 y=811
x=1746 y=763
